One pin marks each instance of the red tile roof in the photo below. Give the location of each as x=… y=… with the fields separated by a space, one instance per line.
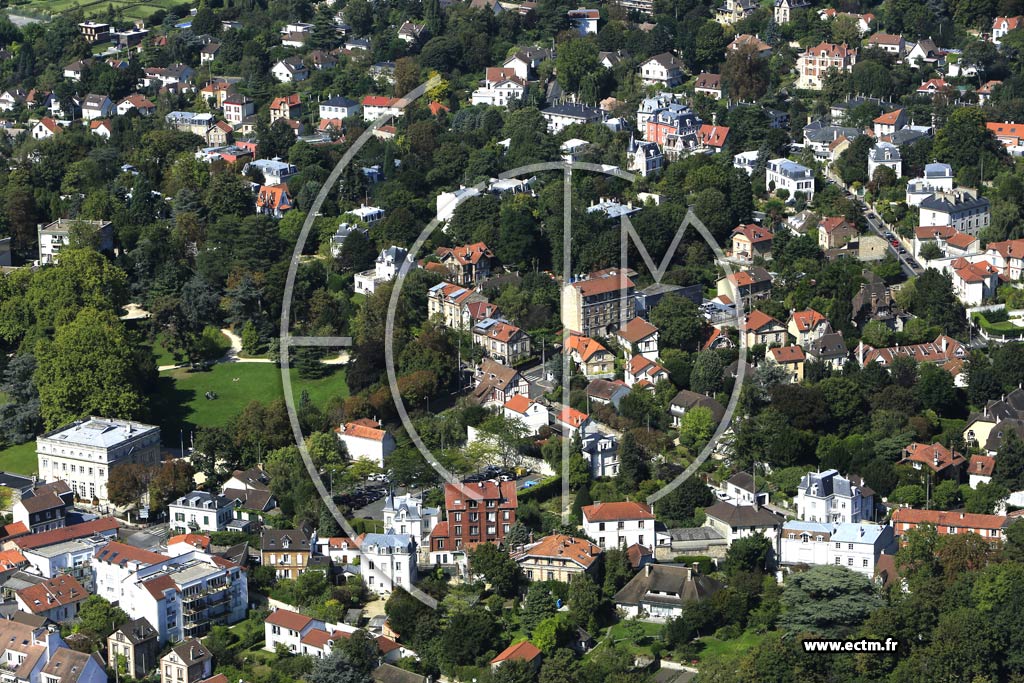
x=808 y=320
x=610 y=282
x=560 y=546
x=947 y=519
x=525 y=650
x=196 y=540
x=159 y=585
x=288 y=619
x=119 y=553
x=788 y=354
x=936 y=456
x=757 y=320
x=456 y=495
x=613 y=512
x=519 y=404
x=982 y=465
x=58 y=591
x=753 y=232
x=68 y=533
x=362 y=431
x=636 y=330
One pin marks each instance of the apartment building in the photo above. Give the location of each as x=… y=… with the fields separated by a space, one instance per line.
x=597 y=304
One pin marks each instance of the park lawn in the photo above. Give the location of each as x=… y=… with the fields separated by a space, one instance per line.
x=181 y=403
x=20 y=459
x=731 y=650
x=161 y=353
x=619 y=635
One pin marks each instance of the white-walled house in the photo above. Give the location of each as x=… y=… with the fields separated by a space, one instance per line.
x=387 y=560
x=406 y=514
x=200 y=511
x=788 y=175
x=287 y=628
x=885 y=155
x=829 y=497
x=734 y=522
x=365 y=440
x=531 y=413
x=385 y=269
x=622 y=525
x=854 y=546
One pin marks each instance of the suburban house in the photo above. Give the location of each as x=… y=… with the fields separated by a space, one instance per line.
x=941 y=351
x=481 y=512
x=854 y=546
x=783 y=174
x=556 y=558
x=890 y=122
x=885 y=155
x=990 y=527
x=287 y=551
x=290 y=70
x=734 y=522
x=338 y=107
x=687 y=400
x=835 y=231
x=638 y=337
x=665 y=70
x=406 y=514
x=644 y=373
x=139 y=643
x=57 y=598
x=747 y=285
x=57 y=235
x=812 y=66
x=806 y=326
x=274 y=200
x=502 y=341
x=783 y=9
x=660 y=591
x=500 y=87
x=980 y=469
x=289 y=107
x=751 y=241
x=1003 y=25
x=943 y=462
x=43 y=508
x=83 y=452
x=375 y=106
x=571 y=422
x=561 y=116
x=495 y=384
x=71 y=666
x=761 y=328
x=590 y=356
x=709 y=85
x=96 y=107
x=237 y=108
x=101 y=127
x=387 y=560
x=467 y=265
x=287 y=628
x=385 y=269
x=790 y=358
x=532 y=414
x=742 y=489
x=829 y=497
x=200 y=511
x=523 y=651
x=621 y=525
x=594 y=306
x=829 y=349
x=188 y=662
x=365 y=439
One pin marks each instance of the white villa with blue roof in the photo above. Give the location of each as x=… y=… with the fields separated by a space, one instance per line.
x=829 y=497
x=387 y=560
x=854 y=546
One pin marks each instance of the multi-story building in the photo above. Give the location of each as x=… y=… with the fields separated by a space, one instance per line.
x=638 y=337
x=406 y=514
x=941 y=351
x=557 y=558
x=806 y=326
x=480 y=512
x=783 y=10
x=602 y=451
x=385 y=269
x=83 y=452
x=495 y=384
x=665 y=70
x=596 y=305
x=338 y=107
x=761 y=328
x=829 y=497
x=287 y=551
x=499 y=88
x=450 y=304
x=1003 y=25
x=670 y=121
x=44 y=508
x=885 y=155
x=734 y=522
x=73 y=557
x=502 y=341
x=943 y=462
x=387 y=561
x=56 y=235
x=1008 y=257
x=783 y=174
x=751 y=241
x=188 y=662
x=138 y=643
x=28 y=648
x=990 y=527
x=661 y=591
x=620 y=525
x=813 y=65
x=468 y=264
x=854 y=546
x=364 y=439
x=57 y=599
x=71 y=666
x=200 y=511
x=960 y=209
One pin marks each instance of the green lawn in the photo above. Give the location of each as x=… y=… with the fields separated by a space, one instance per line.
x=181 y=401
x=619 y=634
x=20 y=459
x=137 y=10
x=732 y=650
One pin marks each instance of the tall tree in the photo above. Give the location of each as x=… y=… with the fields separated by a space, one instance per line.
x=679 y=322
x=746 y=73
x=827 y=600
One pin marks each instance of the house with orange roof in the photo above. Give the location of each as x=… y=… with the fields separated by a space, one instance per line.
x=449 y=303
x=712 y=137
x=57 y=599
x=11 y=560
x=638 y=337
x=807 y=325
x=985 y=90
x=974 y=283
x=1003 y=25
x=621 y=525
x=1008 y=257
x=761 y=328
x=531 y=413
x=523 y=651
x=813 y=64
x=365 y=439
x=285 y=627
x=467 y=264
x=590 y=356
x=749 y=285
x=557 y=557
x=289 y=107
x=990 y=527
x=138 y=102
x=979 y=470
x=1011 y=135
x=45 y=128
x=500 y=87
x=745 y=39
x=791 y=358
x=751 y=241
x=375 y=106
x=644 y=373
x=894 y=44
x=571 y=421
x=186 y=543
x=934 y=86
x=273 y=200
x=502 y=341
x=940 y=352
x=495 y=384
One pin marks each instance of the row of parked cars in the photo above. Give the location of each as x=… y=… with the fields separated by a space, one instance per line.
x=491 y=472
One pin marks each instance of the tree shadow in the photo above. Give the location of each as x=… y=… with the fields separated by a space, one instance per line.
x=169 y=408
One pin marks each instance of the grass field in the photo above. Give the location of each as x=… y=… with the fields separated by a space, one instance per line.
x=130 y=10
x=181 y=401
x=732 y=650
x=20 y=459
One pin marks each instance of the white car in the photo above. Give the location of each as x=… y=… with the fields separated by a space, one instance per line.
x=722 y=495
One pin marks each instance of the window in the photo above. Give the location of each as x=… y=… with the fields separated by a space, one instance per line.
x=849 y=546
x=837 y=560
x=600 y=526
x=458 y=516
x=849 y=561
x=838 y=545
x=622 y=525
x=864 y=562
x=641 y=524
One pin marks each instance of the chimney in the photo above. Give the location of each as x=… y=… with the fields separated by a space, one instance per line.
x=647 y=569
x=961 y=515
x=695 y=569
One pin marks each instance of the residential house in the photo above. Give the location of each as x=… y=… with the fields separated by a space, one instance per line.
x=220 y=134
x=290 y=70
x=941 y=351
x=974 y=283
x=806 y=326
x=638 y=337
x=590 y=356
x=733 y=11
x=531 y=414
x=1008 y=257
x=45 y=128
x=783 y=174
x=621 y=525
x=761 y=328
x=209 y=52
x=200 y=511
x=979 y=470
x=406 y=514
x=813 y=65
x=139 y=103
x=296 y=34
x=745 y=40
x=500 y=87
x=385 y=269
x=687 y=400
x=925 y=54
x=887 y=42
x=598 y=303
x=43 y=508
x=1003 y=25
x=188 y=662
x=661 y=591
x=94 y=31
x=10 y=99
x=83 y=452
x=943 y=462
x=502 y=341
x=74 y=70
x=570 y=422
x=525 y=62
x=747 y=285
x=885 y=155
x=664 y=70
x=56 y=599
x=709 y=85
x=338 y=107
x=601 y=451
x=561 y=116
x=449 y=303
x=57 y=235
x=468 y=264
x=287 y=628
x=523 y=651
x=782 y=12
x=857 y=546
x=934 y=86
x=605 y=391
x=410 y=33
x=71 y=666
x=889 y=122
x=835 y=231
x=645 y=158
x=286 y=551
x=829 y=497
x=495 y=384
x=790 y=358
x=274 y=200
x=829 y=349
x=670 y=122
x=237 y=108
x=644 y=373
x=289 y=107
x=481 y=512
x=712 y=138
x=138 y=643
x=177 y=76
x=1011 y=135
x=365 y=439
x=387 y=561
x=751 y=241
x=376 y=106
x=990 y=527
x=734 y=522
x=742 y=489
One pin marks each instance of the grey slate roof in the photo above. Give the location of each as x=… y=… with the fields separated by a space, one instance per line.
x=666 y=578
x=743 y=515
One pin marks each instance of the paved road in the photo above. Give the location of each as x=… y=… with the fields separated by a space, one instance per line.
x=150 y=538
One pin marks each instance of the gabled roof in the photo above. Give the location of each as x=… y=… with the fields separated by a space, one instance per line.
x=613 y=512
x=948 y=519
x=667 y=61
x=754 y=233
x=119 y=553
x=361 y=430
x=808 y=320
x=519 y=404
x=788 y=354
x=469 y=254
x=936 y=456
x=982 y=465
x=585 y=346
x=61 y=590
x=636 y=330
x=560 y=546
x=758 y=320
x=83 y=530
x=571 y=417
x=288 y=619
x=525 y=651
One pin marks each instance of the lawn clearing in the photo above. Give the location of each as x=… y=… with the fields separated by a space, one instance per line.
x=20 y=459
x=732 y=650
x=181 y=403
